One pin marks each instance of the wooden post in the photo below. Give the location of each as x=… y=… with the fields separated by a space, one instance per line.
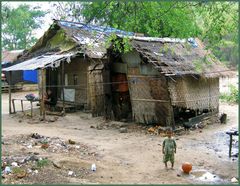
x=31 y=109
x=10 y=92
x=22 y=105
x=171 y=107
x=13 y=102
x=63 y=83
x=42 y=96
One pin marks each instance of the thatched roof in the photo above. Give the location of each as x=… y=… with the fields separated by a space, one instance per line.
x=10 y=56
x=172 y=57
x=87 y=39
x=175 y=57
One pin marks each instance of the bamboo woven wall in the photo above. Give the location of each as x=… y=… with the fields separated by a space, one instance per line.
x=195 y=94
x=149 y=98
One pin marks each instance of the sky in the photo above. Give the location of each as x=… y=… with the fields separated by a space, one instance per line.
x=45 y=6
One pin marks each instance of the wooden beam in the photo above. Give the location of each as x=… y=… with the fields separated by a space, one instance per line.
x=63 y=83
x=10 y=92
x=42 y=96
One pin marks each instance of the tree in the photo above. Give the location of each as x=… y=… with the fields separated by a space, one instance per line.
x=18 y=25
x=216 y=23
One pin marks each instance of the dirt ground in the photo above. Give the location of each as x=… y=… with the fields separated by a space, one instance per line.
x=133 y=157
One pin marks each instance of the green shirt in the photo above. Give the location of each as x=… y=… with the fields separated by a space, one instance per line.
x=169 y=145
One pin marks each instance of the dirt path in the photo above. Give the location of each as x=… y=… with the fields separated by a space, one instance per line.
x=136 y=157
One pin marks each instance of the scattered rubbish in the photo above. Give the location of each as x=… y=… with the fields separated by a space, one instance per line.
x=7 y=170
x=32 y=158
x=29 y=146
x=35 y=171
x=77 y=147
x=186 y=167
x=151 y=130
x=36 y=136
x=14 y=164
x=93 y=167
x=234 y=180
x=123 y=130
x=44 y=146
x=29 y=171
x=208 y=177
x=70 y=173
x=71 y=142
x=193 y=42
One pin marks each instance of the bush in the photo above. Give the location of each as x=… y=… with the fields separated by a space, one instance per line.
x=232 y=97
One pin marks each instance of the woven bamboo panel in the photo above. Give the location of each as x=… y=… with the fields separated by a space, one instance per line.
x=150 y=100
x=195 y=94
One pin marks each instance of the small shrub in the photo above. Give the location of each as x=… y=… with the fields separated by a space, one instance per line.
x=232 y=97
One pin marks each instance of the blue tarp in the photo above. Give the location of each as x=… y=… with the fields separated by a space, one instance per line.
x=30 y=75
x=107 y=29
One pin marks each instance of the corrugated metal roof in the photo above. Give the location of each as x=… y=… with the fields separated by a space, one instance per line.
x=40 y=62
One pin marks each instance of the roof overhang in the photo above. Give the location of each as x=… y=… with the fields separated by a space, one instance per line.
x=41 y=62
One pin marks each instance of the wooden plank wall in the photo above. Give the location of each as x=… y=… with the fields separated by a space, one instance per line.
x=99 y=86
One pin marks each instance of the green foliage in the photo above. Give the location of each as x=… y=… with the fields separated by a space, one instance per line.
x=121 y=45
x=198 y=65
x=232 y=97
x=216 y=23
x=18 y=25
x=43 y=163
x=160 y=19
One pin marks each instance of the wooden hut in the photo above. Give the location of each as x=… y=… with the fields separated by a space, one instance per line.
x=169 y=80
x=72 y=61
x=159 y=81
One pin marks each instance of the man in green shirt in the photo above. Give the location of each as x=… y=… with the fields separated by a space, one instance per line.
x=168 y=149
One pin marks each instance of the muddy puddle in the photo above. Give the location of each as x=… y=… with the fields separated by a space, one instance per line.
x=204 y=176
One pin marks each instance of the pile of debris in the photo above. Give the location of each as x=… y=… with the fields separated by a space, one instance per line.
x=53 y=144
x=180 y=129
x=19 y=166
x=34 y=151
